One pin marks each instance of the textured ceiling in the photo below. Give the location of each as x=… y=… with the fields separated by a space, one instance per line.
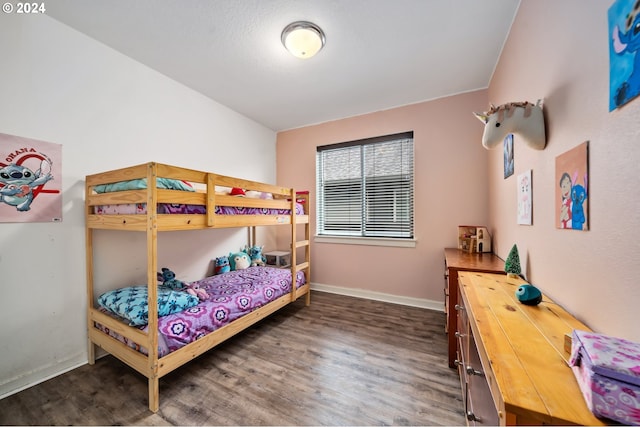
x=379 y=54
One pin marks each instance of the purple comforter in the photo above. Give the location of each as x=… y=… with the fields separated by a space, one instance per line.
x=231 y=296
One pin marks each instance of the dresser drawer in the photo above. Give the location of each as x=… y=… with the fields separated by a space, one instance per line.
x=481 y=408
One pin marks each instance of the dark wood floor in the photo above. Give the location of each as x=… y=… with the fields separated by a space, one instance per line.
x=341 y=361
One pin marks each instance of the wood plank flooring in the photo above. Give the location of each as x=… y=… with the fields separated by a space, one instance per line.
x=340 y=361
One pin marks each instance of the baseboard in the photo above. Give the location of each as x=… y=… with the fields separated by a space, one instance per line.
x=379 y=296
x=29 y=379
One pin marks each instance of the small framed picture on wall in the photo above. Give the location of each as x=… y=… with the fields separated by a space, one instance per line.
x=572 y=196
x=508 y=156
x=525 y=197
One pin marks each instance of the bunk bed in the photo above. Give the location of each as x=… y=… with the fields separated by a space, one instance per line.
x=154 y=198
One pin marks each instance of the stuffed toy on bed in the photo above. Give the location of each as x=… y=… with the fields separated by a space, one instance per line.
x=255 y=254
x=221 y=265
x=239 y=261
x=168 y=279
x=197 y=291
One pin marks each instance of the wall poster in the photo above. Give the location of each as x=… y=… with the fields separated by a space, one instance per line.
x=624 y=52
x=525 y=197
x=572 y=196
x=30 y=180
x=508 y=156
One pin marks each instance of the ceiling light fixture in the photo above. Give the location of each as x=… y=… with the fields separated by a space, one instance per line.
x=303 y=39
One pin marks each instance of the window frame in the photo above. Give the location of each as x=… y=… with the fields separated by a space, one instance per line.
x=373 y=186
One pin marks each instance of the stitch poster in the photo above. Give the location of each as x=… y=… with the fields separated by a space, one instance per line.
x=572 y=191
x=30 y=180
x=624 y=52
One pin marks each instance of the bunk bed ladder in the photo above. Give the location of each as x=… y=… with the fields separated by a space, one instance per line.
x=295 y=244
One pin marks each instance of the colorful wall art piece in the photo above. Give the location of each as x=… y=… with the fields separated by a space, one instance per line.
x=624 y=55
x=525 y=198
x=30 y=180
x=572 y=190
x=508 y=156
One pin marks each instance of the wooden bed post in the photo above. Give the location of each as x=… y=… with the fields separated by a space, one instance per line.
x=211 y=200
x=251 y=235
x=91 y=349
x=307 y=256
x=152 y=289
x=154 y=393
x=294 y=240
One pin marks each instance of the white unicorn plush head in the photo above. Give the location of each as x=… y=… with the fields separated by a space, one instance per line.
x=519 y=118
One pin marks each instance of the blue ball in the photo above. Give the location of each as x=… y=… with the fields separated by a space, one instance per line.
x=529 y=295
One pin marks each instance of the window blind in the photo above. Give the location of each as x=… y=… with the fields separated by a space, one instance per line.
x=365 y=187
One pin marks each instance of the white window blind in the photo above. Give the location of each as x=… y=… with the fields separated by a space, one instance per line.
x=365 y=187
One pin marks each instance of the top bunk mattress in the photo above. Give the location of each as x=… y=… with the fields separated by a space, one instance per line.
x=180 y=208
x=177 y=208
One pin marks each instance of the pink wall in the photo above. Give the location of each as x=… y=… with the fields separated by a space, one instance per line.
x=450 y=177
x=559 y=51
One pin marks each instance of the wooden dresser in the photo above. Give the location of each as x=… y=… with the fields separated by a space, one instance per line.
x=456 y=260
x=514 y=368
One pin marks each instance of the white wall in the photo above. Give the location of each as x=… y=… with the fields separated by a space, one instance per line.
x=107 y=111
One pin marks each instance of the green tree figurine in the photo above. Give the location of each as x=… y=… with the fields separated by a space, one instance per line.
x=512 y=264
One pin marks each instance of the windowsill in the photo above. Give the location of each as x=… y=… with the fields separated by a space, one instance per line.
x=369 y=241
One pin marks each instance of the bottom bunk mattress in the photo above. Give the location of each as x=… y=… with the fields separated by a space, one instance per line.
x=231 y=296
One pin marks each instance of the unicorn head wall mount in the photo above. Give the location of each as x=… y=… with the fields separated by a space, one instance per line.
x=519 y=118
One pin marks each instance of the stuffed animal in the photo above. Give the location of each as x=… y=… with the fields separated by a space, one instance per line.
x=197 y=291
x=255 y=254
x=520 y=118
x=529 y=294
x=168 y=279
x=239 y=261
x=221 y=265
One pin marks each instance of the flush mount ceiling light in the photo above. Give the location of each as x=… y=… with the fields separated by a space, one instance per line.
x=303 y=39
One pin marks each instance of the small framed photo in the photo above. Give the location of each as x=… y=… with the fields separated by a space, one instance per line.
x=508 y=156
x=525 y=198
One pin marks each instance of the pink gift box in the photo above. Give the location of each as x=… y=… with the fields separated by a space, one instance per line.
x=608 y=373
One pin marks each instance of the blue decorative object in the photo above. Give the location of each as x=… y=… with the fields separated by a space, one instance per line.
x=528 y=294
x=168 y=279
x=255 y=253
x=239 y=261
x=221 y=265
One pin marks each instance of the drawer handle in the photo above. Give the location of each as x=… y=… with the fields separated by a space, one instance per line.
x=459 y=335
x=471 y=371
x=472 y=417
x=459 y=307
x=457 y=362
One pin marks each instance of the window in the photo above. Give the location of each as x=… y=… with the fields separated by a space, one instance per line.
x=365 y=188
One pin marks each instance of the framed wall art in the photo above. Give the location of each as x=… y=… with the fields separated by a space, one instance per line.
x=525 y=198
x=624 y=52
x=30 y=180
x=508 y=156
x=572 y=190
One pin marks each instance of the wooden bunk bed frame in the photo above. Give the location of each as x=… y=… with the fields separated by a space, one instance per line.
x=152 y=366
